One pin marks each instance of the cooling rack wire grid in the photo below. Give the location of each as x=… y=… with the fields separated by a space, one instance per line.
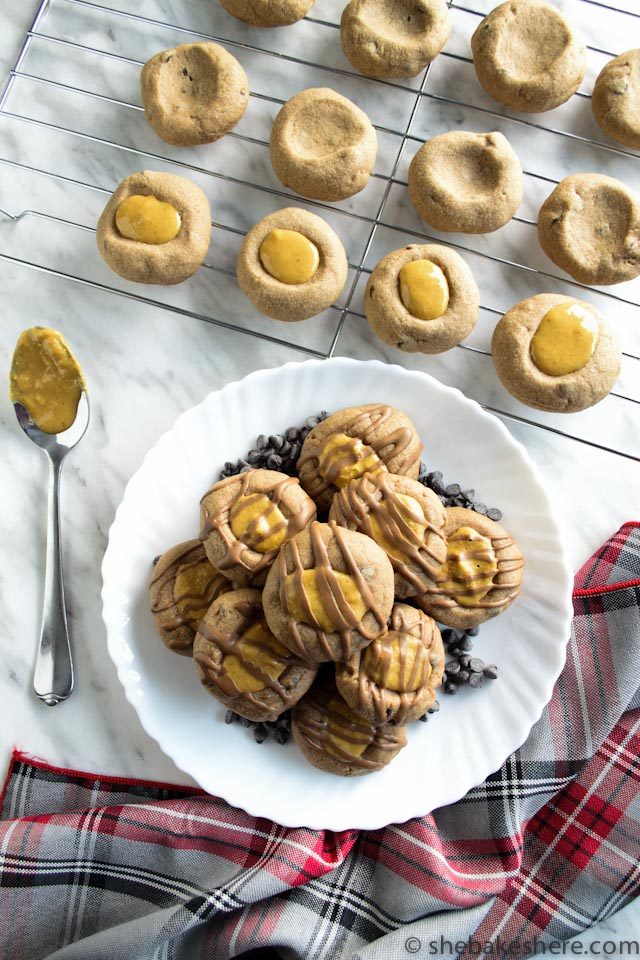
x=72 y=127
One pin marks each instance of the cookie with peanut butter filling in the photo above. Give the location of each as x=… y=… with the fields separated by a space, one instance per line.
x=245 y=520
x=333 y=737
x=555 y=353
x=404 y=518
x=329 y=593
x=292 y=265
x=183 y=586
x=373 y=438
x=156 y=228
x=395 y=678
x=242 y=664
x=482 y=573
x=422 y=299
x=193 y=93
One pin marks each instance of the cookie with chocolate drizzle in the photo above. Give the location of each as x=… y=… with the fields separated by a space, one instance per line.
x=396 y=677
x=244 y=520
x=373 y=438
x=405 y=518
x=242 y=664
x=482 y=573
x=336 y=739
x=329 y=593
x=183 y=586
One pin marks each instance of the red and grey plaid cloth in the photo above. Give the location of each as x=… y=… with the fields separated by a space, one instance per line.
x=97 y=868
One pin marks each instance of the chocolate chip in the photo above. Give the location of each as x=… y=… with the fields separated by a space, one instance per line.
x=469 y=495
x=291 y=434
x=262 y=442
x=254 y=456
x=424 y=718
x=494 y=514
x=472 y=631
x=465 y=644
x=155 y=560
x=465 y=661
x=491 y=671
x=480 y=507
x=447 y=634
x=274 y=461
x=246 y=468
x=281 y=735
x=450 y=687
x=434 y=477
x=244 y=722
x=476 y=680
x=260 y=733
x=294 y=453
x=476 y=664
x=230 y=717
x=276 y=442
x=452 y=667
x=463 y=676
x=453 y=490
x=434 y=707
x=285 y=449
x=454 y=651
x=312 y=422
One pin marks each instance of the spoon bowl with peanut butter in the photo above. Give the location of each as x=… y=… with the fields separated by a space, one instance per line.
x=50 y=399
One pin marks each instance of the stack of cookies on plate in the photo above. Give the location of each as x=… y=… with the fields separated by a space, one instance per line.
x=334 y=618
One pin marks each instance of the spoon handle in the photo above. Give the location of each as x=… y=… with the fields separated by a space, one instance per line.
x=53 y=678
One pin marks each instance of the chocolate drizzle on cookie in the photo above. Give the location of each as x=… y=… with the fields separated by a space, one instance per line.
x=251 y=637
x=331 y=607
x=384 y=514
x=270 y=523
x=412 y=663
x=448 y=593
x=191 y=604
x=328 y=726
x=386 y=448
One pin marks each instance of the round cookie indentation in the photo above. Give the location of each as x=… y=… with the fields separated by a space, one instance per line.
x=393 y=38
x=466 y=182
x=289 y=256
x=168 y=262
x=590 y=227
x=193 y=93
x=424 y=289
x=526 y=56
x=518 y=373
x=292 y=301
x=322 y=145
x=389 y=317
x=268 y=13
x=615 y=100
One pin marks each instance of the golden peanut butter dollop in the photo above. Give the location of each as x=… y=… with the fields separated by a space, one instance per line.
x=424 y=289
x=343 y=458
x=346 y=732
x=255 y=659
x=311 y=599
x=258 y=522
x=471 y=564
x=147 y=219
x=46 y=379
x=397 y=662
x=289 y=256
x=407 y=514
x=194 y=590
x=565 y=339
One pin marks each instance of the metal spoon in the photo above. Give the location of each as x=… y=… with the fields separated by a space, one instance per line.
x=53 y=677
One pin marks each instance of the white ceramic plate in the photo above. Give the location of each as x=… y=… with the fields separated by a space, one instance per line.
x=474 y=731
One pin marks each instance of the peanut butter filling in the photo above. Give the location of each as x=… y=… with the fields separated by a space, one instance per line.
x=314 y=598
x=147 y=219
x=193 y=590
x=347 y=734
x=471 y=564
x=289 y=256
x=565 y=339
x=408 y=514
x=46 y=379
x=344 y=458
x=424 y=289
x=258 y=522
x=397 y=662
x=254 y=660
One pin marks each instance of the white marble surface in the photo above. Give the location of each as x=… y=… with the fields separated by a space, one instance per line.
x=145 y=364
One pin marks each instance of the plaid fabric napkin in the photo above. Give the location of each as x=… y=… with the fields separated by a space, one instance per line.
x=99 y=868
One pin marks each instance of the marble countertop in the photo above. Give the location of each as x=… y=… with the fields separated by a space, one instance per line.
x=72 y=129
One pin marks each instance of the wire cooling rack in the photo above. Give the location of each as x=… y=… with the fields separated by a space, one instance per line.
x=72 y=126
